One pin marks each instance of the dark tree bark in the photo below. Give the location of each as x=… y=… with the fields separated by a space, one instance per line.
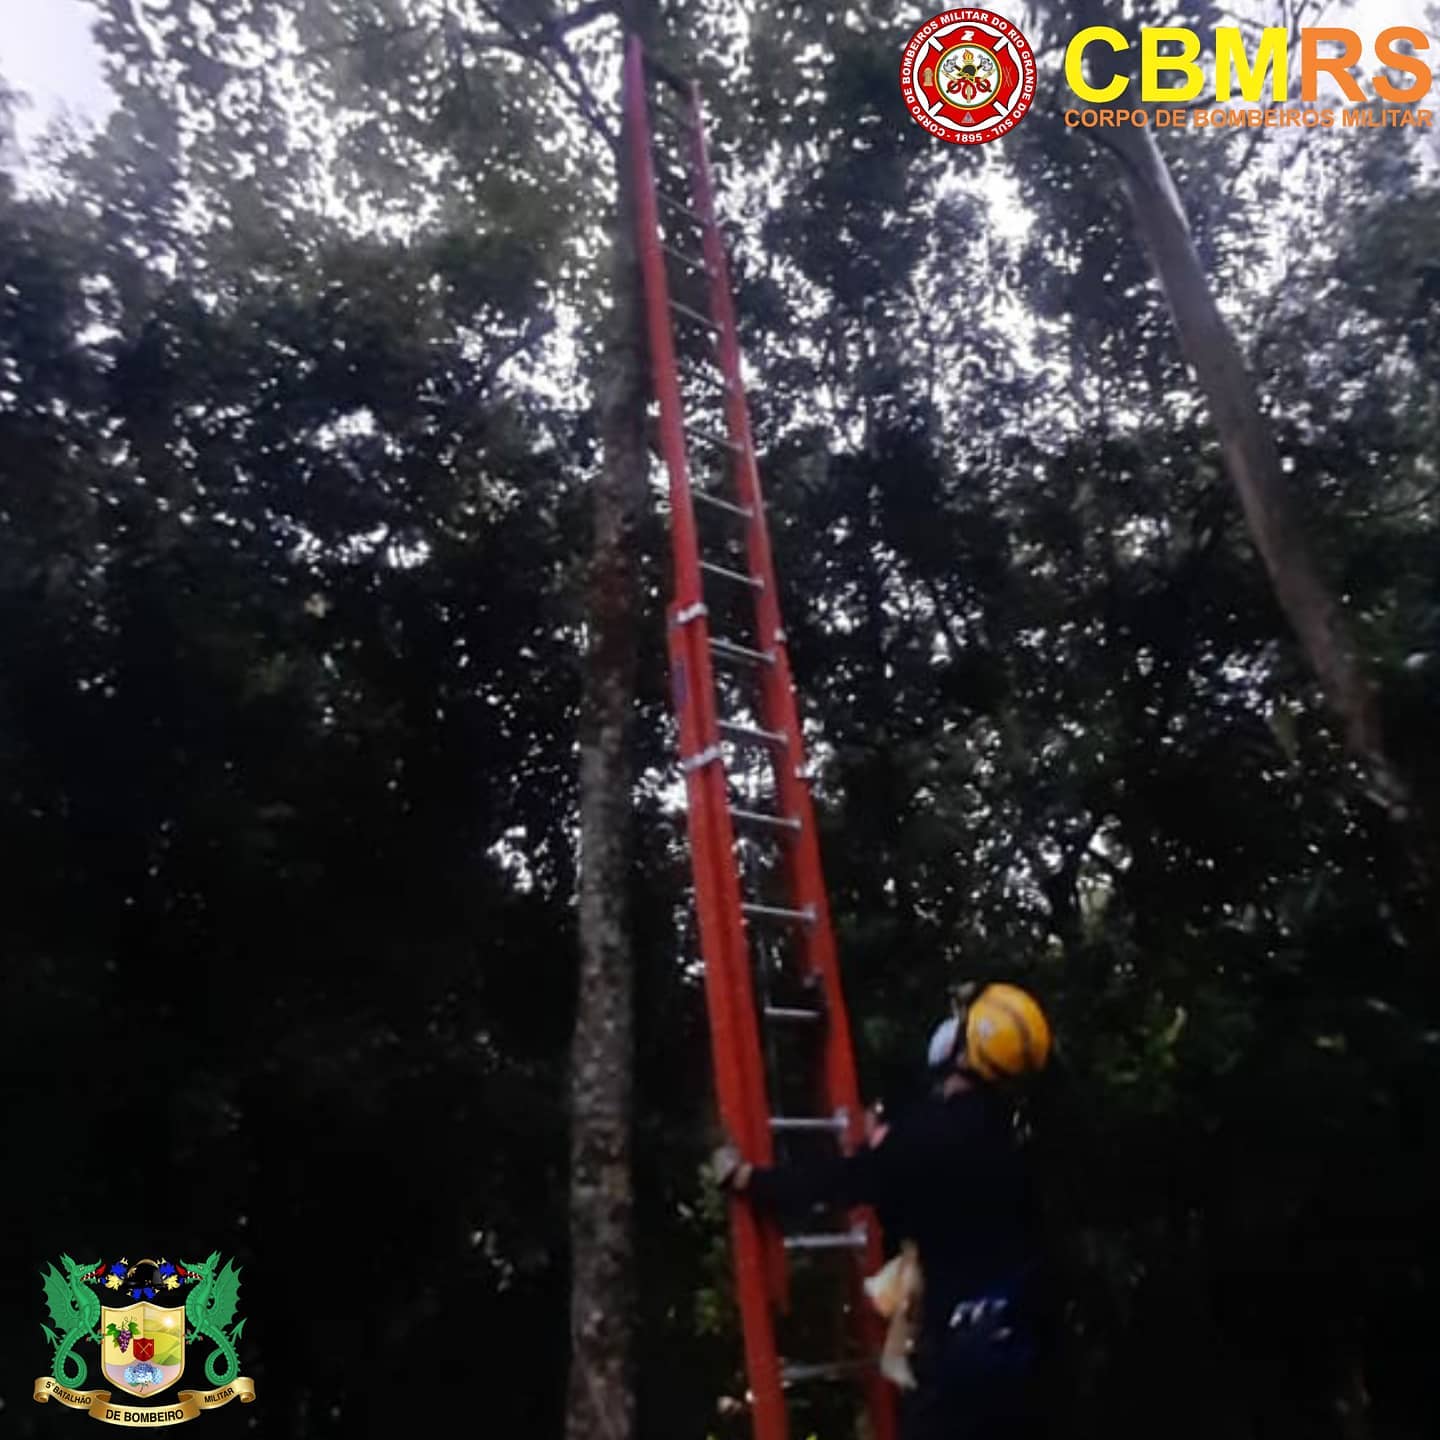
x=1251 y=457
x=1250 y=454
x=601 y=1399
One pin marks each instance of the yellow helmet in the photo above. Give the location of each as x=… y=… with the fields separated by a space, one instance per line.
x=1006 y=1033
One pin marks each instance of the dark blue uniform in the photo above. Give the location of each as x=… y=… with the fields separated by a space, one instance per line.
x=949 y=1176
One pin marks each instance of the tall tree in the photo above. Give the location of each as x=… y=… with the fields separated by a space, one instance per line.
x=1252 y=459
x=601 y=1394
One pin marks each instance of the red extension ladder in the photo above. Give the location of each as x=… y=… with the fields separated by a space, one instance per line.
x=780 y=1038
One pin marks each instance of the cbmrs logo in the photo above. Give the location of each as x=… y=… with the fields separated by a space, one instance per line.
x=1236 y=69
x=968 y=76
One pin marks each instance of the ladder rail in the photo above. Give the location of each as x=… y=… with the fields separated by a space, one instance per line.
x=691 y=659
x=735 y=1040
x=777 y=686
x=841 y=1089
x=665 y=374
x=722 y=909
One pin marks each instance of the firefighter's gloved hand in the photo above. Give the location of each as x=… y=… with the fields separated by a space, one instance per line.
x=728 y=1169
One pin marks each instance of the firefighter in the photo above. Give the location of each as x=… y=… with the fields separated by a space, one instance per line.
x=950 y=1175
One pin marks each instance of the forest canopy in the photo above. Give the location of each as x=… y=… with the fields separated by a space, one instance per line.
x=303 y=367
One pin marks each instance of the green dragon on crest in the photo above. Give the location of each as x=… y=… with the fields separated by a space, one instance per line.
x=75 y=1309
x=210 y=1309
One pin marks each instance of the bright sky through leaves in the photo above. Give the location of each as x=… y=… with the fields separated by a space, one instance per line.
x=47 y=53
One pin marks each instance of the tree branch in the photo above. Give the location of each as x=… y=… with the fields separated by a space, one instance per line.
x=351 y=42
x=594 y=10
x=1404 y=507
x=942 y=615
x=551 y=36
x=1293 y=25
x=589 y=104
x=537 y=329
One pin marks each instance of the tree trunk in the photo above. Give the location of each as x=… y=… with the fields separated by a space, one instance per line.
x=1352 y=1396
x=600 y=1402
x=1251 y=457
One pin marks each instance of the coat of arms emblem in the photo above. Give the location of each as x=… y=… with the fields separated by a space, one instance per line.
x=145 y=1317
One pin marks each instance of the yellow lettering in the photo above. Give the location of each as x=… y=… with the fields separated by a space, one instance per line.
x=1075 y=64
x=1152 y=62
x=1231 y=62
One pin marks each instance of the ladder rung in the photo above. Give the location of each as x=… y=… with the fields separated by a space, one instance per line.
x=712 y=378
x=829 y=1240
x=675 y=196
x=779 y=912
x=695 y=262
x=706 y=498
x=666 y=76
x=766 y=822
x=806 y=1123
x=796 y=1374
x=679 y=209
x=665 y=175
x=793 y=1014
x=741 y=654
x=752 y=734
x=695 y=316
x=722 y=442
x=721 y=573
x=675 y=117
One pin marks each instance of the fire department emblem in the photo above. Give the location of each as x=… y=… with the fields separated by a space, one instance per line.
x=158 y=1309
x=968 y=76
x=143 y=1349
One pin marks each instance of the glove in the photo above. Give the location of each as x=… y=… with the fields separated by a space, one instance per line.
x=876 y=1126
x=728 y=1169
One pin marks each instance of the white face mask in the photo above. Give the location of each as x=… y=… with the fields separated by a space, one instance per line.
x=945 y=1044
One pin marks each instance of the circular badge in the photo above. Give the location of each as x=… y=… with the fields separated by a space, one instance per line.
x=968 y=76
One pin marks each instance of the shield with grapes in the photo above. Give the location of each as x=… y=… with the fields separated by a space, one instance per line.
x=143 y=1346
